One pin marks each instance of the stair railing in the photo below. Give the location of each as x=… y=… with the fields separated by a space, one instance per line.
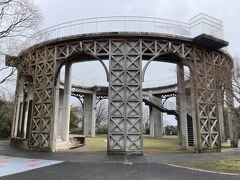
x=157 y=101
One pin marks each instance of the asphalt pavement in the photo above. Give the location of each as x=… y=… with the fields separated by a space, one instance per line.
x=98 y=166
x=116 y=171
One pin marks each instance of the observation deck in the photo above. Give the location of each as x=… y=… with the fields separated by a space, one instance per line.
x=200 y=24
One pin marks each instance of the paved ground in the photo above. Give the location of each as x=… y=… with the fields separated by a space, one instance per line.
x=115 y=171
x=12 y=165
x=6 y=149
x=101 y=166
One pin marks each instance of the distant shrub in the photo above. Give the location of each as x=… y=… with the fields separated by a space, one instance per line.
x=6 y=116
x=102 y=129
x=76 y=131
x=171 y=130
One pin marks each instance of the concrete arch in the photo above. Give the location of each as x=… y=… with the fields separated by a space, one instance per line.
x=83 y=56
x=171 y=53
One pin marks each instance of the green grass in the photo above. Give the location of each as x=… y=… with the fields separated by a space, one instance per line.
x=226 y=147
x=150 y=144
x=161 y=143
x=97 y=143
x=226 y=165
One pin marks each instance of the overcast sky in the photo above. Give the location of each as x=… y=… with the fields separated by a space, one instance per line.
x=58 y=11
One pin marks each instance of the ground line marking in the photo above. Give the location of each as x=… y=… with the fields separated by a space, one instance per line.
x=202 y=170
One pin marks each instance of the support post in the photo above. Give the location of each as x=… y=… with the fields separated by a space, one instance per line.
x=151 y=121
x=178 y=121
x=89 y=115
x=28 y=98
x=156 y=123
x=20 y=95
x=182 y=106
x=220 y=105
x=221 y=122
x=66 y=102
x=60 y=112
x=54 y=131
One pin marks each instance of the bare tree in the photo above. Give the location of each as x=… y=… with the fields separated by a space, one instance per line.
x=230 y=82
x=101 y=112
x=18 y=20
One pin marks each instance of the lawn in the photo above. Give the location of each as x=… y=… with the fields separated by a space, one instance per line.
x=167 y=142
x=225 y=165
x=99 y=144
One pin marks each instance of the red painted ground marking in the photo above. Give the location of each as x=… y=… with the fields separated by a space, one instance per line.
x=3 y=161
x=33 y=160
x=32 y=165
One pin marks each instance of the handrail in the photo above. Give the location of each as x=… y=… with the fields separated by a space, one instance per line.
x=128 y=24
x=167 y=105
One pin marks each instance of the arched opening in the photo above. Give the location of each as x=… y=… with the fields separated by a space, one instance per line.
x=83 y=83
x=167 y=103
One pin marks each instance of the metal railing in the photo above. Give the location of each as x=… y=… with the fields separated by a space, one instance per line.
x=211 y=25
x=203 y=23
x=157 y=101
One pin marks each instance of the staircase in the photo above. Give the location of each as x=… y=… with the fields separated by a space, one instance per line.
x=190 y=131
x=155 y=102
x=171 y=109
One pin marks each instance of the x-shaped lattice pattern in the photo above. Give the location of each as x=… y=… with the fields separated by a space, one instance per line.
x=125 y=85
x=43 y=84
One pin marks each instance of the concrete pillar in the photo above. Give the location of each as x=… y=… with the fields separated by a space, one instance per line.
x=54 y=123
x=156 y=122
x=66 y=102
x=182 y=106
x=60 y=112
x=178 y=120
x=151 y=121
x=89 y=115
x=221 y=122
x=28 y=98
x=20 y=95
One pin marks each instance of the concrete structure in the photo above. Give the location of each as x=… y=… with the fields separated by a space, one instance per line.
x=156 y=122
x=125 y=46
x=182 y=106
x=66 y=102
x=89 y=114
